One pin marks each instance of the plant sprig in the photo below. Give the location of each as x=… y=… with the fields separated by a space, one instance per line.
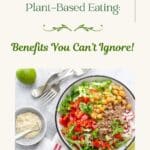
x=80 y=27
x=59 y=28
x=84 y=27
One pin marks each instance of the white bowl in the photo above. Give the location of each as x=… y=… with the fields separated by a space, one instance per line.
x=40 y=136
x=91 y=78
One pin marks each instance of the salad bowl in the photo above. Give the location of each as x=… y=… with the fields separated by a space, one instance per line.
x=96 y=112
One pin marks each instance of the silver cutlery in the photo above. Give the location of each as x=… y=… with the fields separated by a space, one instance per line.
x=49 y=94
x=53 y=79
x=56 y=79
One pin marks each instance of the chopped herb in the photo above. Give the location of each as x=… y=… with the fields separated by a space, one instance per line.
x=116 y=127
x=72 y=142
x=121 y=143
x=70 y=132
x=95 y=133
x=86 y=108
x=107 y=137
x=74 y=92
x=65 y=105
x=85 y=84
x=101 y=85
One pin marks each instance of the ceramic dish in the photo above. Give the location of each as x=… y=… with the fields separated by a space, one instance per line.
x=40 y=136
x=129 y=94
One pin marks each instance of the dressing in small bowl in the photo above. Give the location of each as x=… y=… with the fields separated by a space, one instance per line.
x=29 y=118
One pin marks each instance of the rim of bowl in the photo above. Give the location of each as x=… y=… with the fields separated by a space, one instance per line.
x=91 y=76
x=44 y=124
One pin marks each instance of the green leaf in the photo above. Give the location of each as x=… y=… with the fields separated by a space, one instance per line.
x=107 y=137
x=86 y=108
x=95 y=133
x=77 y=143
x=74 y=92
x=105 y=84
x=121 y=143
x=101 y=85
x=65 y=105
x=116 y=127
x=118 y=130
x=70 y=132
x=85 y=84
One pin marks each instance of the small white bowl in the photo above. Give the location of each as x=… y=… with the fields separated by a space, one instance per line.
x=40 y=136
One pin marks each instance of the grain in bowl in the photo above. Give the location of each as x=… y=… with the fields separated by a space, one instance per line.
x=28 y=121
x=38 y=121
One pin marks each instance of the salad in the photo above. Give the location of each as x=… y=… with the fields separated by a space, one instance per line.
x=96 y=115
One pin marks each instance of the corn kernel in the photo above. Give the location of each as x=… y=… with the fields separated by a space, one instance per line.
x=122 y=93
x=119 y=97
x=129 y=106
x=99 y=116
x=104 y=101
x=124 y=102
x=116 y=102
x=99 y=106
x=92 y=100
x=115 y=87
x=102 y=109
x=97 y=110
x=115 y=92
x=120 y=87
x=93 y=115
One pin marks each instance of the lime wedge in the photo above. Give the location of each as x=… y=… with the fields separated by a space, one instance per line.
x=26 y=76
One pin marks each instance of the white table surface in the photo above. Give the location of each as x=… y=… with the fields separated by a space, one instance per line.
x=24 y=98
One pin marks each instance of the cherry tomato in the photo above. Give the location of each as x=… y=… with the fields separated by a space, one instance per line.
x=118 y=136
x=79 y=114
x=96 y=143
x=86 y=99
x=84 y=117
x=101 y=144
x=78 y=128
x=74 y=137
x=64 y=120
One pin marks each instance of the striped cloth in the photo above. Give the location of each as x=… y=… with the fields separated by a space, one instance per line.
x=57 y=147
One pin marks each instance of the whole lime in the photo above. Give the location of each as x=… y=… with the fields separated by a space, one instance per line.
x=26 y=75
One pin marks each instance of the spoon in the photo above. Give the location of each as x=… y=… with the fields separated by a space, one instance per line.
x=24 y=133
x=51 y=80
x=57 y=78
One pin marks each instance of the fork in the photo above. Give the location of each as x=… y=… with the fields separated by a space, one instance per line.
x=50 y=91
x=49 y=94
x=36 y=93
x=55 y=79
